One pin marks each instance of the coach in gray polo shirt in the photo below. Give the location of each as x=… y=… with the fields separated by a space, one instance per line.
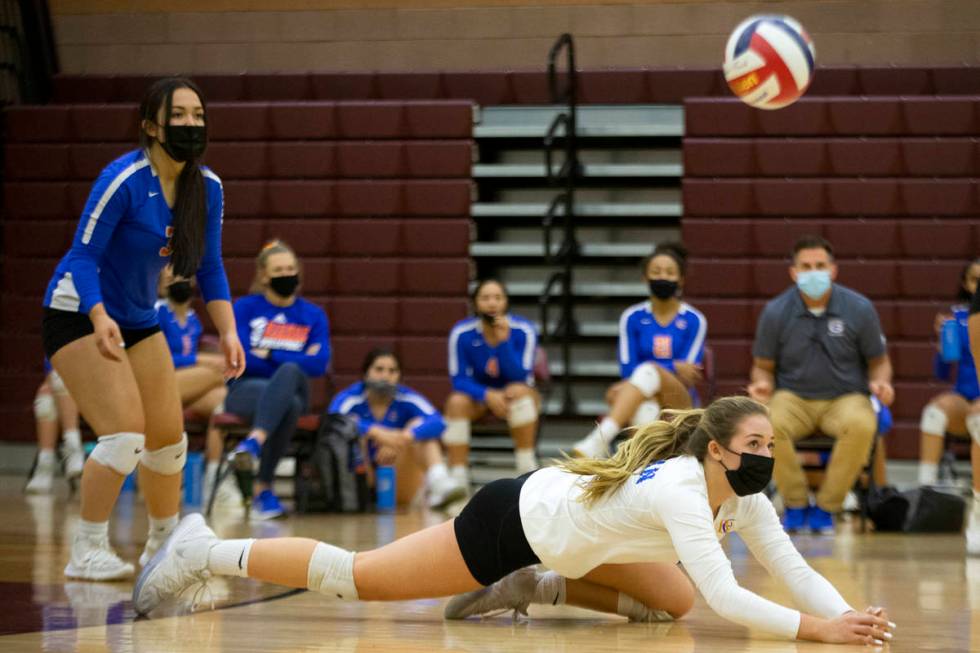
x=818 y=353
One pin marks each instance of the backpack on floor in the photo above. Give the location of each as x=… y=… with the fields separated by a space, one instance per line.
x=922 y=510
x=331 y=474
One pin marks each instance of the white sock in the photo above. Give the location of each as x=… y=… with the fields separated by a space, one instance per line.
x=460 y=472
x=608 y=429
x=230 y=557
x=436 y=472
x=93 y=530
x=550 y=589
x=636 y=611
x=46 y=458
x=525 y=460
x=928 y=473
x=73 y=439
x=160 y=529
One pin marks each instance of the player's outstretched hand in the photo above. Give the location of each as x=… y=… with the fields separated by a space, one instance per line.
x=870 y=627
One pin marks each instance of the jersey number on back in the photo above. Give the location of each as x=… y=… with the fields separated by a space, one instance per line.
x=649 y=472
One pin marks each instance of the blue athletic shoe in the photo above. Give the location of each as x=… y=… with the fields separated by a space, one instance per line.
x=267 y=506
x=821 y=522
x=794 y=519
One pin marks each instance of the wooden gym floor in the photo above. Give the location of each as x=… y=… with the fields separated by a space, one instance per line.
x=931 y=589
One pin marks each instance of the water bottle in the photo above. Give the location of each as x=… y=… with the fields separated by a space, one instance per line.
x=949 y=347
x=385 y=487
x=194 y=479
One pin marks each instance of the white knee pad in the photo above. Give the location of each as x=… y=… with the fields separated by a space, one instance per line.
x=973 y=427
x=44 y=408
x=457 y=432
x=57 y=385
x=332 y=572
x=649 y=411
x=168 y=460
x=646 y=378
x=120 y=451
x=934 y=420
x=522 y=411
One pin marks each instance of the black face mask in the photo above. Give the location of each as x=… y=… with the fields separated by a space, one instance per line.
x=663 y=288
x=180 y=291
x=383 y=388
x=185 y=142
x=488 y=319
x=752 y=476
x=284 y=286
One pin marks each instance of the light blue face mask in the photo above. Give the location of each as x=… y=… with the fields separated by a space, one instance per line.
x=813 y=283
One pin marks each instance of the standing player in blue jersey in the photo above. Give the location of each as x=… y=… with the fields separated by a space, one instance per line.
x=661 y=342
x=491 y=365
x=400 y=426
x=199 y=374
x=153 y=206
x=956 y=412
x=288 y=341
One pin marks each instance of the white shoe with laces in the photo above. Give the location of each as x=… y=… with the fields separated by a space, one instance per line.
x=512 y=592
x=94 y=559
x=591 y=446
x=181 y=563
x=444 y=491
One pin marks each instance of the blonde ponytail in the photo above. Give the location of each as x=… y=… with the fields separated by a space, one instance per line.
x=676 y=433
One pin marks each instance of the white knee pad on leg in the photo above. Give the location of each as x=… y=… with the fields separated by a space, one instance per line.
x=646 y=379
x=120 y=451
x=973 y=427
x=649 y=411
x=331 y=572
x=44 y=408
x=57 y=385
x=457 y=432
x=934 y=420
x=522 y=411
x=168 y=460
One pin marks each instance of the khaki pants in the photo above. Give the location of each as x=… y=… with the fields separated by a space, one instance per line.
x=849 y=419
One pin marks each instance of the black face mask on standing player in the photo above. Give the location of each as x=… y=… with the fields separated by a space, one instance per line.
x=185 y=142
x=663 y=288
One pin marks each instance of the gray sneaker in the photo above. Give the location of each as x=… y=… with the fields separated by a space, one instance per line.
x=512 y=592
x=180 y=563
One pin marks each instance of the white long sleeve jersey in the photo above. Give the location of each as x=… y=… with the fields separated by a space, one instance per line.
x=661 y=514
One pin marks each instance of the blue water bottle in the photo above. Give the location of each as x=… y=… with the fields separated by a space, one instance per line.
x=949 y=347
x=194 y=479
x=384 y=479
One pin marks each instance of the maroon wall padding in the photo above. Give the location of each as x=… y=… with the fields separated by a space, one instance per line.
x=493 y=87
x=889 y=177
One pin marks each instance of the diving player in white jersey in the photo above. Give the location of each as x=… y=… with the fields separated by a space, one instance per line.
x=611 y=531
x=661 y=350
x=153 y=206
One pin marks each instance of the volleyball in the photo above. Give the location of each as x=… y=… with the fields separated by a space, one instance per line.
x=769 y=61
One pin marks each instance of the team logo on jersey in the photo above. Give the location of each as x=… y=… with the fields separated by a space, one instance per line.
x=835 y=327
x=277 y=334
x=728 y=526
x=166 y=251
x=681 y=324
x=492 y=368
x=663 y=347
x=186 y=343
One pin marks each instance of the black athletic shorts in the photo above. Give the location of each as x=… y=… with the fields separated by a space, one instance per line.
x=490 y=534
x=59 y=328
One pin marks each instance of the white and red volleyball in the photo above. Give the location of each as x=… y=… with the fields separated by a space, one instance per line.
x=769 y=61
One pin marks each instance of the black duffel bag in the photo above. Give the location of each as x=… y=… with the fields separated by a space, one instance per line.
x=922 y=510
